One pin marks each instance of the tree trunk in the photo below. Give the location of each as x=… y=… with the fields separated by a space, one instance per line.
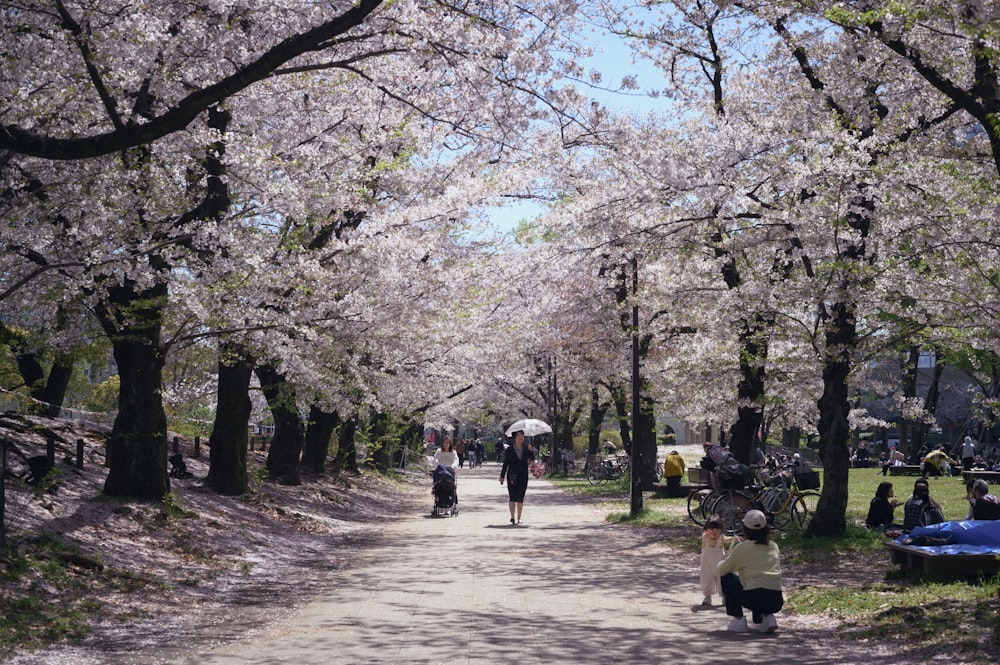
x=50 y=392
x=319 y=432
x=597 y=413
x=834 y=429
x=931 y=401
x=908 y=383
x=750 y=392
x=621 y=410
x=227 y=470
x=380 y=442
x=791 y=437
x=286 y=445
x=137 y=448
x=645 y=443
x=29 y=366
x=58 y=382
x=347 y=453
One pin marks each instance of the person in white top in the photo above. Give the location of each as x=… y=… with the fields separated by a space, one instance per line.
x=446 y=455
x=968 y=453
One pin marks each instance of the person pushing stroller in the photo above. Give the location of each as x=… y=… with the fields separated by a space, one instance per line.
x=445 y=487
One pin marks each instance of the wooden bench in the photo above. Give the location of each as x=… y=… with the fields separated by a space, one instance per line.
x=698 y=476
x=660 y=490
x=988 y=476
x=930 y=562
x=905 y=470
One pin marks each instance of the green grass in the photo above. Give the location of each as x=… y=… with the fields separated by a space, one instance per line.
x=949 y=492
x=43 y=603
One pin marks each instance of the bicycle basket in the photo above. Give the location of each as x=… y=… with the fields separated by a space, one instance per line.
x=807 y=480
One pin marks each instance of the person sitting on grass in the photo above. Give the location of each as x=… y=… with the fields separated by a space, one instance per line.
x=920 y=509
x=880 y=512
x=982 y=504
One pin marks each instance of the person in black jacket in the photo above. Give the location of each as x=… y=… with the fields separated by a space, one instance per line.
x=515 y=470
x=880 y=512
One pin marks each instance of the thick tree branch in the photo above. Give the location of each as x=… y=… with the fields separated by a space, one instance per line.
x=17 y=139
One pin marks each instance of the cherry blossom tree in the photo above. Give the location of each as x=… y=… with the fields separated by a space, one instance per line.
x=169 y=116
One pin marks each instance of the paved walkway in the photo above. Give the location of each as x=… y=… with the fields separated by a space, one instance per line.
x=562 y=588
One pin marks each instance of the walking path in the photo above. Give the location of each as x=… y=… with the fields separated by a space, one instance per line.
x=564 y=587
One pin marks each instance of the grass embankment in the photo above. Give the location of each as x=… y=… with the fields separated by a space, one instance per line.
x=929 y=616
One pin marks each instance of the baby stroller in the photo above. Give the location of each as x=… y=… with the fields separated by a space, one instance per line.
x=445 y=492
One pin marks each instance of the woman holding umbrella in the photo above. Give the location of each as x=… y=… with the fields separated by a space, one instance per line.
x=515 y=470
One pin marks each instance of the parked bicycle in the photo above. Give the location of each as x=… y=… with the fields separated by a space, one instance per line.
x=567 y=461
x=780 y=497
x=611 y=468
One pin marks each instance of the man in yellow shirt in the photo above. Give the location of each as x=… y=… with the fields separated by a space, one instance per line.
x=936 y=463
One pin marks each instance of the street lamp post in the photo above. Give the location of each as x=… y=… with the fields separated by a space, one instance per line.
x=636 y=476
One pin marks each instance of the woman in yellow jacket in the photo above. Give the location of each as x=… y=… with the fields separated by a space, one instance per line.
x=673 y=472
x=751 y=577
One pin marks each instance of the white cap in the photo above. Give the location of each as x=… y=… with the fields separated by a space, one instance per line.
x=754 y=519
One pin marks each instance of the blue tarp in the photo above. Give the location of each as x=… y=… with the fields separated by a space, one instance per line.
x=964 y=537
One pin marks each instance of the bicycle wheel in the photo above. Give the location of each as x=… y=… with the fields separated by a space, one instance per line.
x=696 y=504
x=730 y=507
x=777 y=501
x=803 y=508
x=598 y=475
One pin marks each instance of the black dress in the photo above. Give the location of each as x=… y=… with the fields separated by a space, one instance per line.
x=515 y=470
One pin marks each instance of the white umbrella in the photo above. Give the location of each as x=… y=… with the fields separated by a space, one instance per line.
x=530 y=427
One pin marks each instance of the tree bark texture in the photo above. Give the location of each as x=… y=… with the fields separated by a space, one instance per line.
x=598 y=410
x=319 y=432
x=750 y=392
x=227 y=470
x=347 y=452
x=286 y=446
x=834 y=430
x=137 y=448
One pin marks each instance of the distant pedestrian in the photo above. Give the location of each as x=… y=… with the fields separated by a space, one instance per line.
x=883 y=462
x=516 y=461
x=968 y=453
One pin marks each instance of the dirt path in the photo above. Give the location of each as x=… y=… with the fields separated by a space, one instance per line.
x=564 y=587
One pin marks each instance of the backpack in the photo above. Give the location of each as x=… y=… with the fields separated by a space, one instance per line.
x=931 y=515
x=733 y=474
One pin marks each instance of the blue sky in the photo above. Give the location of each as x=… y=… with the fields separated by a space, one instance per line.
x=614 y=60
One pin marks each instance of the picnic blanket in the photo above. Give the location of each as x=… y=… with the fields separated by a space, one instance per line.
x=956 y=537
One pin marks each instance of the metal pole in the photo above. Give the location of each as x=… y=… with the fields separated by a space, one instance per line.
x=636 y=495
